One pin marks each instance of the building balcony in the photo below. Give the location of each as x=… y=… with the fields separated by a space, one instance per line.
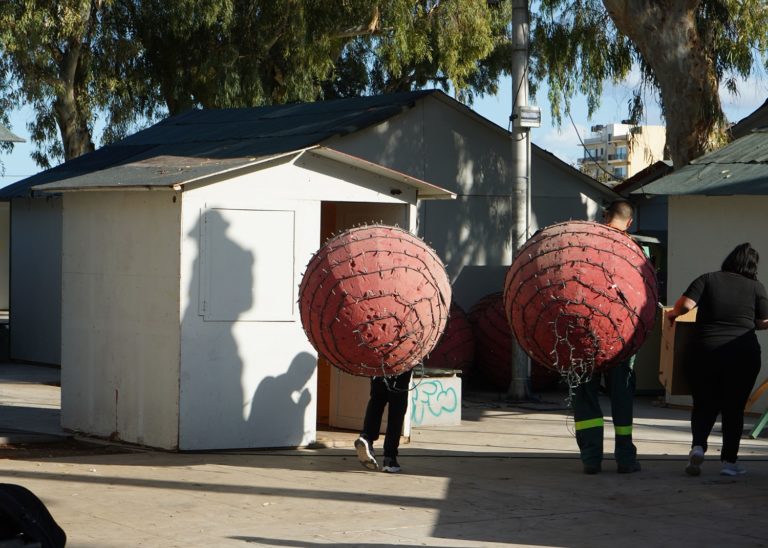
x=591 y=160
x=617 y=157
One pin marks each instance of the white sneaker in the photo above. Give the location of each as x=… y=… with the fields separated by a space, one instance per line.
x=732 y=469
x=365 y=453
x=695 y=459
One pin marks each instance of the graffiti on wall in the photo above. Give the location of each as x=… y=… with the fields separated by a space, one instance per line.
x=430 y=398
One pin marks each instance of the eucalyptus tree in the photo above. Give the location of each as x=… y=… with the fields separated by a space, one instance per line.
x=684 y=48
x=231 y=53
x=56 y=57
x=130 y=60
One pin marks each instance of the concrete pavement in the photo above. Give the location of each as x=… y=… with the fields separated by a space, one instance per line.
x=507 y=476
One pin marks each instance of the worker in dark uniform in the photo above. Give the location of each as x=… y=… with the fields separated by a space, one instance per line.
x=620 y=385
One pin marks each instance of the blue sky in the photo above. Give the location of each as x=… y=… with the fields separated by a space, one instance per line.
x=562 y=142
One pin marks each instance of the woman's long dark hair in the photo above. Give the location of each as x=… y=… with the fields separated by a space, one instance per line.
x=742 y=260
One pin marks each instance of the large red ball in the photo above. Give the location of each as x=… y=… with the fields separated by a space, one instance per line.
x=580 y=297
x=493 y=338
x=374 y=300
x=456 y=348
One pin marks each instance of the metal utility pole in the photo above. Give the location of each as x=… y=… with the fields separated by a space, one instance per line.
x=523 y=118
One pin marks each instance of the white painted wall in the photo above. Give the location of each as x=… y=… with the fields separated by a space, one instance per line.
x=249 y=379
x=120 y=309
x=702 y=231
x=5 y=254
x=35 y=291
x=451 y=148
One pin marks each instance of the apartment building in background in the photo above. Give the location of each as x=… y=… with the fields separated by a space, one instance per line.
x=615 y=152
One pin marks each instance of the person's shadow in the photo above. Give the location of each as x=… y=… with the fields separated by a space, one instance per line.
x=279 y=403
x=211 y=394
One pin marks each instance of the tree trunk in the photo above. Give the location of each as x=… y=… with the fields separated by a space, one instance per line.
x=665 y=33
x=73 y=126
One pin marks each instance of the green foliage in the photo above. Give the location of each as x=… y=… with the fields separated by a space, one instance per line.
x=64 y=60
x=575 y=48
x=247 y=53
x=737 y=32
x=136 y=59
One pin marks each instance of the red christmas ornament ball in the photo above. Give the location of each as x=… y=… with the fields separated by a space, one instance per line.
x=580 y=297
x=456 y=348
x=374 y=300
x=493 y=347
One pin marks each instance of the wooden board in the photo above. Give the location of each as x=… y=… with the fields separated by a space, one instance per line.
x=675 y=352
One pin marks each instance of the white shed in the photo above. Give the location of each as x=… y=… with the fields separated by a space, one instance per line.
x=717 y=202
x=180 y=273
x=424 y=134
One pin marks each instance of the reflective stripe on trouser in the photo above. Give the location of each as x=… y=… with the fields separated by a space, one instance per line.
x=588 y=416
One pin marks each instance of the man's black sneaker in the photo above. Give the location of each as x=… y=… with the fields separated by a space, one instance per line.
x=390 y=465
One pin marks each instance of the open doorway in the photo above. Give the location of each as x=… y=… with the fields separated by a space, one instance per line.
x=341 y=398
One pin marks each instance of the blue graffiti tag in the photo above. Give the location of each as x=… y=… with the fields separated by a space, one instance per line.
x=430 y=395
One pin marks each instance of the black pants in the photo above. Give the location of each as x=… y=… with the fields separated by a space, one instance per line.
x=392 y=391
x=721 y=380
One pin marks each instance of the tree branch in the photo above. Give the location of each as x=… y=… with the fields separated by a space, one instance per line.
x=372 y=28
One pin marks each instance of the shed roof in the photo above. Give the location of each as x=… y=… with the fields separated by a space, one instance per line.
x=202 y=143
x=739 y=168
x=7 y=137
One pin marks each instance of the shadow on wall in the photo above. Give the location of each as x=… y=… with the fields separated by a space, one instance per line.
x=211 y=395
x=228 y=399
x=285 y=397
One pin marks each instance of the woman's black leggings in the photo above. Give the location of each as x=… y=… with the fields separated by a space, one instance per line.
x=721 y=380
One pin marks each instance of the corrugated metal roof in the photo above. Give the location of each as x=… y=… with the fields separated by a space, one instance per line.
x=201 y=143
x=7 y=137
x=740 y=168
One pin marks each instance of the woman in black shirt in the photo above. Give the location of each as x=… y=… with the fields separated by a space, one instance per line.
x=732 y=304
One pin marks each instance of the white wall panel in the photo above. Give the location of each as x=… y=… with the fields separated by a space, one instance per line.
x=270 y=237
x=702 y=231
x=249 y=379
x=120 y=303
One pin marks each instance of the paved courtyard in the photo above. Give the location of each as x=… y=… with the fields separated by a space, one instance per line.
x=507 y=476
